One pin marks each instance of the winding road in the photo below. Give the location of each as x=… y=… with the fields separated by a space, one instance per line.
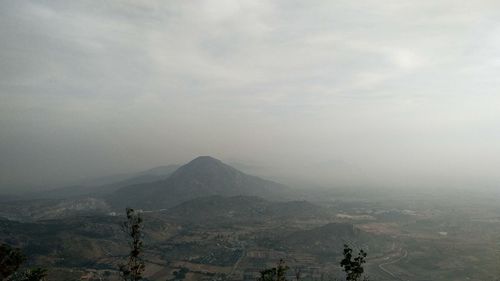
x=387 y=271
x=237 y=263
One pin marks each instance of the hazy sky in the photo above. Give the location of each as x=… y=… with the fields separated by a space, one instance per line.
x=348 y=92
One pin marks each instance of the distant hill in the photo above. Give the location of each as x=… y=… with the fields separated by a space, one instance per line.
x=106 y=185
x=203 y=176
x=42 y=209
x=215 y=209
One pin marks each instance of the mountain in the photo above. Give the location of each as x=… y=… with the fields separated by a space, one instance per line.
x=106 y=185
x=203 y=176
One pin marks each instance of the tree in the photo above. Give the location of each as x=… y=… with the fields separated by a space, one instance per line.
x=298 y=273
x=277 y=273
x=181 y=274
x=133 y=269
x=34 y=274
x=10 y=261
x=353 y=268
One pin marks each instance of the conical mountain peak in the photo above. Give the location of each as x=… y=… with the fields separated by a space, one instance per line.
x=202 y=176
x=204 y=161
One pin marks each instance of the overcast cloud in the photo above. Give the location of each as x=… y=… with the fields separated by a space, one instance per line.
x=401 y=93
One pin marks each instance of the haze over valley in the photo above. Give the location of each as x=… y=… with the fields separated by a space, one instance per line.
x=210 y=219
x=248 y=140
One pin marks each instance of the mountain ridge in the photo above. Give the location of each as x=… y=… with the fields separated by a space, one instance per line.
x=101 y=187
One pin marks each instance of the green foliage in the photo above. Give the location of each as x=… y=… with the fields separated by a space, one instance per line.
x=181 y=274
x=10 y=260
x=353 y=267
x=35 y=274
x=133 y=269
x=277 y=273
